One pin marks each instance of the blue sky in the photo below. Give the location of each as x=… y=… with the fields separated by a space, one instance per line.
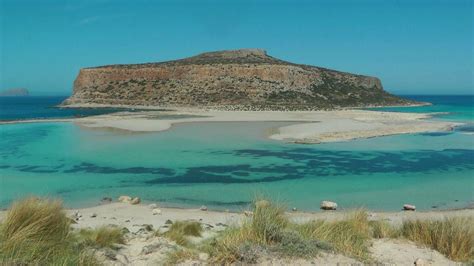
x=415 y=47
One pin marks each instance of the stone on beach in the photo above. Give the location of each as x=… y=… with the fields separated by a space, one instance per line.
x=203 y=208
x=77 y=216
x=125 y=199
x=135 y=201
x=153 y=206
x=328 y=205
x=408 y=207
x=106 y=200
x=156 y=212
x=421 y=262
x=248 y=213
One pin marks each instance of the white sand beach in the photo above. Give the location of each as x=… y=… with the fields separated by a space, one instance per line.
x=134 y=216
x=309 y=127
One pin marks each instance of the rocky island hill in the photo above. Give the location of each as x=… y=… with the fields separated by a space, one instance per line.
x=247 y=79
x=15 y=92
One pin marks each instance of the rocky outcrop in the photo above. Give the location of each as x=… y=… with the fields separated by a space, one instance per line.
x=246 y=79
x=15 y=92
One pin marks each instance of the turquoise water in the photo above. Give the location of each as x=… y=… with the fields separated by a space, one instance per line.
x=446 y=107
x=225 y=165
x=40 y=107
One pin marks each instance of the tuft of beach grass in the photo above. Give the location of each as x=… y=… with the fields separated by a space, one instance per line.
x=268 y=230
x=350 y=236
x=181 y=230
x=453 y=237
x=37 y=231
x=104 y=236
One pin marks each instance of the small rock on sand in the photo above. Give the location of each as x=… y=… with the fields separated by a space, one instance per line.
x=93 y=215
x=135 y=201
x=122 y=259
x=148 y=227
x=421 y=262
x=328 y=205
x=203 y=208
x=248 y=213
x=150 y=248
x=106 y=200
x=76 y=216
x=125 y=199
x=156 y=212
x=408 y=207
x=153 y=206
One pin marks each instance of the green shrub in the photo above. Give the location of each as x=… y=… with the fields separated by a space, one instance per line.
x=292 y=244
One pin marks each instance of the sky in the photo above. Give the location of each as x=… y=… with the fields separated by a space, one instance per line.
x=414 y=47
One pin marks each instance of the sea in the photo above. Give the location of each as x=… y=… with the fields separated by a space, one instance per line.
x=227 y=165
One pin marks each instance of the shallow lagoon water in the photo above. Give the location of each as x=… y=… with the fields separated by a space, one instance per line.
x=225 y=165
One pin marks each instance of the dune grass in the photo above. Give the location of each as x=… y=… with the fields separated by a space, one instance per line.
x=181 y=230
x=382 y=229
x=37 y=231
x=350 y=236
x=180 y=255
x=453 y=237
x=267 y=231
x=101 y=237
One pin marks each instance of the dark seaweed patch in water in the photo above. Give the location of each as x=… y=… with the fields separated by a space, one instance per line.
x=93 y=168
x=465 y=128
x=12 y=144
x=35 y=169
x=435 y=134
x=297 y=163
x=313 y=163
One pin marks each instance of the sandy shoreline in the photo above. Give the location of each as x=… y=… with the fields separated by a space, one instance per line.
x=134 y=216
x=308 y=127
x=144 y=247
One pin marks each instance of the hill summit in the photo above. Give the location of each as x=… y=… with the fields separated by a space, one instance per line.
x=246 y=79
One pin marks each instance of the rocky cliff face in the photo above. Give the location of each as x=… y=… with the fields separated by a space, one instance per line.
x=246 y=79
